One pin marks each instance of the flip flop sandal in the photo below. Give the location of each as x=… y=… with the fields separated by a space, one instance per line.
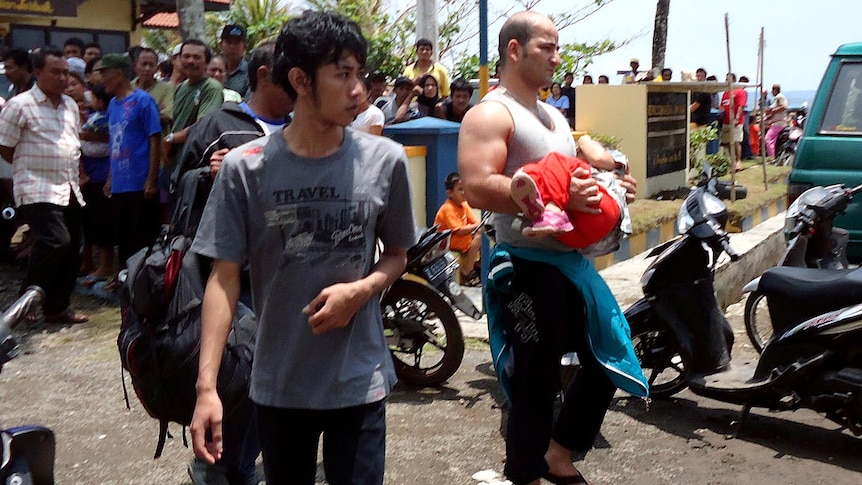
x=67 y=316
x=90 y=280
x=566 y=480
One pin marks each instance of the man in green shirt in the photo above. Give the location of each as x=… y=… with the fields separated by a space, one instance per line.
x=195 y=97
x=146 y=65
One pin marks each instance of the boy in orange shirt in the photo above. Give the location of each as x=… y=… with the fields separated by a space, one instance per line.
x=456 y=214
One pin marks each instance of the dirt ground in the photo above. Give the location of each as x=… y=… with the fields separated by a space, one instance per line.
x=69 y=379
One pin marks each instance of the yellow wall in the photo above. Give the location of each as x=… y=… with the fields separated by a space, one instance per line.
x=620 y=111
x=416 y=165
x=113 y=15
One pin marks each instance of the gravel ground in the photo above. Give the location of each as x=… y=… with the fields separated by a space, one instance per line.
x=69 y=379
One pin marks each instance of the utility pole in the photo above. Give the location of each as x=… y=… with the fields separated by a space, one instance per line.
x=191 y=15
x=426 y=23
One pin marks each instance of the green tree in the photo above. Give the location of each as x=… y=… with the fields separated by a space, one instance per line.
x=389 y=35
x=262 y=18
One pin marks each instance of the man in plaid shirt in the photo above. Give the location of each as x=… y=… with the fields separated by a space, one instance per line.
x=39 y=136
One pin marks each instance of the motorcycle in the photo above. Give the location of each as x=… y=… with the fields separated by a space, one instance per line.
x=812 y=242
x=788 y=138
x=683 y=339
x=419 y=321
x=26 y=452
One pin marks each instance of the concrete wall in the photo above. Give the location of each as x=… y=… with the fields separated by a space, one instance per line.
x=92 y=14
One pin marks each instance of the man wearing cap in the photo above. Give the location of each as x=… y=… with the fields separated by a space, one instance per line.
x=402 y=93
x=233 y=50
x=634 y=77
x=39 y=137
x=135 y=138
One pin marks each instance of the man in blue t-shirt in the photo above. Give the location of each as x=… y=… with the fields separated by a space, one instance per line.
x=135 y=139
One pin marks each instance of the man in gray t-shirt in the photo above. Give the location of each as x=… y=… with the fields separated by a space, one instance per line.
x=305 y=208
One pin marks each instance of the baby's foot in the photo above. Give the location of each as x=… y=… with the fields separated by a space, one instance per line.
x=549 y=224
x=526 y=195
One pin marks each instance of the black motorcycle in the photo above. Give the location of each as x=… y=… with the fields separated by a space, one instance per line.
x=682 y=338
x=812 y=242
x=788 y=138
x=421 y=327
x=26 y=452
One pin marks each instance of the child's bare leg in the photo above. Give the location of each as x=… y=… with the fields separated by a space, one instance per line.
x=472 y=255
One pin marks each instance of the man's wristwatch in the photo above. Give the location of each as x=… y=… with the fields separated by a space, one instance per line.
x=169 y=138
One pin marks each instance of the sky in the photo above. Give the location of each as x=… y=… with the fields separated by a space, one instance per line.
x=800 y=35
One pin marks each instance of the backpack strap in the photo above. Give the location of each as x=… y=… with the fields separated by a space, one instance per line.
x=123 y=379
x=164 y=434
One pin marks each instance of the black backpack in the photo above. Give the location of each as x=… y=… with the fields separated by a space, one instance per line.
x=159 y=340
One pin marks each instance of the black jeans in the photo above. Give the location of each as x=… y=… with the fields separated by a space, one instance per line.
x=137 y=222
x=241 y=444
x=56 y=253
x=354 y=444
x=545 y=318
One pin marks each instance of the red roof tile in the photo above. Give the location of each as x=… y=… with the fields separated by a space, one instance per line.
x=169 y=20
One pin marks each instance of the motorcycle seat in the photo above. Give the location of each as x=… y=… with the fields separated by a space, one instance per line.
x=813 y=284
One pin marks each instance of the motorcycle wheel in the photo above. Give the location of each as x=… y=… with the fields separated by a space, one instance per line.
x=758 y=324
x=425 y=338
x=663 y=363
x=785 y=157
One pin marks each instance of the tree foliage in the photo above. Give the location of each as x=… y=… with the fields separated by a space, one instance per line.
x=262 y=18
x=390 y=30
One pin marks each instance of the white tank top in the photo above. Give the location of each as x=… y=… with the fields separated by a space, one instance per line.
x=533 y=138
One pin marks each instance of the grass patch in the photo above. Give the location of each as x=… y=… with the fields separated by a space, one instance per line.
x=648 y=214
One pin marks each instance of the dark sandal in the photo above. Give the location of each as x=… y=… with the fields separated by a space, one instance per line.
x=90 y=280
x=565 y=480
x=67 y=316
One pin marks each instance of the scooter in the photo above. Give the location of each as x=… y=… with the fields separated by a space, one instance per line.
x=812 y=242
x=788 y=138
x=26 y=452
x=419 y=320
x=683 y=339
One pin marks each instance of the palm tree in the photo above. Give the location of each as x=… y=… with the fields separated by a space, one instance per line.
x=262 y=18
x=659 y=36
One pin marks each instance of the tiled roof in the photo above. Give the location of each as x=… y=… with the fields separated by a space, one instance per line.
x=169 y=20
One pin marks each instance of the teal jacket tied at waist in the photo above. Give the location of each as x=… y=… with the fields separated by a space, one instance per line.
x=607 y=330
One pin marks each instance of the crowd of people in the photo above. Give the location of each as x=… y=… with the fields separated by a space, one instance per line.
x=97 y=141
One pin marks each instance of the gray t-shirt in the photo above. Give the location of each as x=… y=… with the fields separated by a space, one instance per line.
x=305 y=224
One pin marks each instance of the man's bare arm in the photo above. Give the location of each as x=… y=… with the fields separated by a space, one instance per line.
x=336 y=305
x=595 y=154
x=217 y=311
x=482 y=152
